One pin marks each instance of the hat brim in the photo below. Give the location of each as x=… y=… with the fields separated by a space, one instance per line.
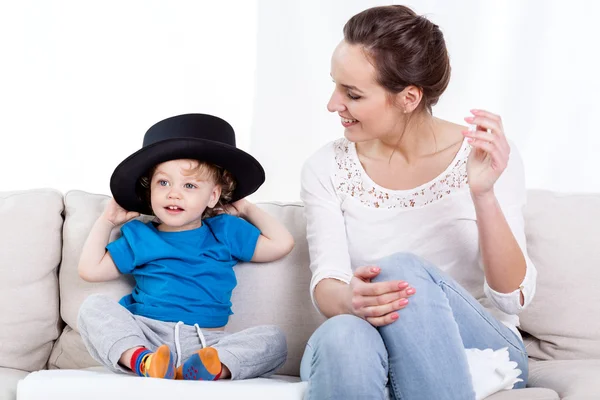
x=247 y=171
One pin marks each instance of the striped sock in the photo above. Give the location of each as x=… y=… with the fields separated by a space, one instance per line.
x=204 y=365
x=155 y=365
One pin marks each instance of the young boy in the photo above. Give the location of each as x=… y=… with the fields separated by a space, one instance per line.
x=187 y=174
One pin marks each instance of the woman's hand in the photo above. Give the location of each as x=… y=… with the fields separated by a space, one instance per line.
x=117 y=215
x=489 y=156
x=377 y=303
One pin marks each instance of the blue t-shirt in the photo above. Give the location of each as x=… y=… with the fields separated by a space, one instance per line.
x=184 y=276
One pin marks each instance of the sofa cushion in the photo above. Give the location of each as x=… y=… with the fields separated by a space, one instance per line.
x=70 y=352
x=563 y=241
x=571 y=379
x=268 y=293
x=525 y=394
x=81 y=211
x=29 y=258
x=9 y=378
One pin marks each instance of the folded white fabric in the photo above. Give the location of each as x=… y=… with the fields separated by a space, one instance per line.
x=100 y=384
x=491 y=371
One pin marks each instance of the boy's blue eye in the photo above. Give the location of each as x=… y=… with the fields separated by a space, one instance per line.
x=162 y=182
x=189 y=186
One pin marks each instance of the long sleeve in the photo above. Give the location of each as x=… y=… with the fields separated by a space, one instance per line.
x=325 y=227
x=510 y=191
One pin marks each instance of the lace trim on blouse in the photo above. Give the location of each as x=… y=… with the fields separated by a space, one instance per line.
x=351 y=179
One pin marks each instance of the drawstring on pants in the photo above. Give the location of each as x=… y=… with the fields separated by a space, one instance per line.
x=178 y=343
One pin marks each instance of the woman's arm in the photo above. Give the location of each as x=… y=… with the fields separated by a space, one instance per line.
x=333 y=297
x=326 y=235
x=335 y=289
x=498 y=193
x=503 y=260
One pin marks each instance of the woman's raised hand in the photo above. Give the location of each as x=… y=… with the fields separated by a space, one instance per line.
x=489 y=156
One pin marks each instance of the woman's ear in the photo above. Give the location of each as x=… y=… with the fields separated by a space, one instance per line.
x=214 y=196
x=409 y=99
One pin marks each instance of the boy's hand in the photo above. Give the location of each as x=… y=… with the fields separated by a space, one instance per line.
x=237 y=208
x=117 y=215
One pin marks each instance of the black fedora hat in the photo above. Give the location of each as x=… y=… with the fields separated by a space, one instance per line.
x=190 y=136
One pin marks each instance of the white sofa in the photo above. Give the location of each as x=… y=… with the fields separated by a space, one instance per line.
x=42 y=356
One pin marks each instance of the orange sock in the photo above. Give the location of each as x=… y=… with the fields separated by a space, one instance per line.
x=204 y=365
x=154 y=365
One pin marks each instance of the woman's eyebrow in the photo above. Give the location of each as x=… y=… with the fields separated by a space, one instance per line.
x=347 y=86
x=351 y=87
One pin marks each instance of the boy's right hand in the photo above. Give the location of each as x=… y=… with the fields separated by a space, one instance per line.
x=117 y=215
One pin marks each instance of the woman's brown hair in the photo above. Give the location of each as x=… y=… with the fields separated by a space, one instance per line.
x=405 y=49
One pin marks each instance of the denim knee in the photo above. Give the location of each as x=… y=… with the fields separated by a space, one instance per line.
x=404 y=266
x=348 y=337
x=343 y=331
x=345 y=359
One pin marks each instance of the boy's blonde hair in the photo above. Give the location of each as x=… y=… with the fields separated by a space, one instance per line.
x=218 y=175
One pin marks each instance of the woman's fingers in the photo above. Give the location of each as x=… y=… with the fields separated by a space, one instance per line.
x=366 y=273
x=490 y=116
x=485 y=124
x=370 y=301
x=379 y=288
x=499 y=158
x=378 y=302
x=378 y=311
x=480 y=135
x=489 y=128
x=383 y=320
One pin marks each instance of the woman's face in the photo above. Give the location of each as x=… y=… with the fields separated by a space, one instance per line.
x=364 y=106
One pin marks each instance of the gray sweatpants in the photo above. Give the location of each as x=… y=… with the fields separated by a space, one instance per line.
x=109 y=329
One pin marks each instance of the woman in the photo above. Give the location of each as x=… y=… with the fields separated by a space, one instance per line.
x=414 y=224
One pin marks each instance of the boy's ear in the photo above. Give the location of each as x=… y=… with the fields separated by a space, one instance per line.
x=214 y=196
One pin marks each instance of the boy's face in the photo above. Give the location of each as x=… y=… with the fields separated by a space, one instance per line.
x=179 y=197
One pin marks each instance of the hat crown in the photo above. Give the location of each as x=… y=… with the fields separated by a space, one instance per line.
x=191 y=126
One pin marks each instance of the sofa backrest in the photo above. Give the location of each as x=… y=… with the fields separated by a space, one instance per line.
x=563 y=233
x=563 y=241
x=30 y=243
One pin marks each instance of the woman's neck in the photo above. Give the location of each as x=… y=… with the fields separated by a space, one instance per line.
x=418 y=137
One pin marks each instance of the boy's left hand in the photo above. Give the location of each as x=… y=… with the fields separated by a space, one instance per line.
x=237 y=208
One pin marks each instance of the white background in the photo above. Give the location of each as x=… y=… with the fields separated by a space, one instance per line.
x=81 y=81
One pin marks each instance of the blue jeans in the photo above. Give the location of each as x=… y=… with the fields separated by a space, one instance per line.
x=422 y=353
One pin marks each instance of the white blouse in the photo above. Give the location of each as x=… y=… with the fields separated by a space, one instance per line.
x=352 y=221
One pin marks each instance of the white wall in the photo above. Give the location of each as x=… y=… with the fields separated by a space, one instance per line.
x=81 y=81
x=534 y=62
